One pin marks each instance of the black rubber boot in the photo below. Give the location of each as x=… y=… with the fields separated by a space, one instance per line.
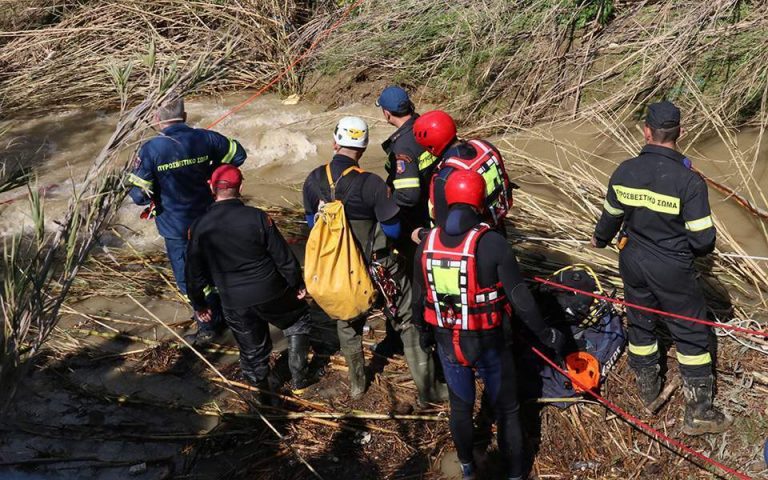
x=648 y=383
x=201 y=338
x=700 y=415
x=298 y=349
x=356 y=365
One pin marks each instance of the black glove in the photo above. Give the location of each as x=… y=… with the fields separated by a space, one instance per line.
x=427 y=340
x=554 y=339
x=598 y=243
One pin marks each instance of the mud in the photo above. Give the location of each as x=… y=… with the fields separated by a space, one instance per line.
x=100 y=404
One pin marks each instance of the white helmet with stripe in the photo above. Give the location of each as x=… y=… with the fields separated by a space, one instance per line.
x=351 y=132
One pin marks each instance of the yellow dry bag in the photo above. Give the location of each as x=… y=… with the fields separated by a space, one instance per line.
x=334 y=269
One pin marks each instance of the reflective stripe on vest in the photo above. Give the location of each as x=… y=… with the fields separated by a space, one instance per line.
x=491 y=167
x=454 y=299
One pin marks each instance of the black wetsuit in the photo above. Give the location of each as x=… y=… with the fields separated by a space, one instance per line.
x=486 y=351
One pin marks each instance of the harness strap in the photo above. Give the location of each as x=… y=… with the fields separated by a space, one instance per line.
x=332 y=183
x=457 y=348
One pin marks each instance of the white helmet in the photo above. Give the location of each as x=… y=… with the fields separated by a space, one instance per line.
x=351 y=132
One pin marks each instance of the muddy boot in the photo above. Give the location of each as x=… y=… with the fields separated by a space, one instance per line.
x=648 y=383
x=262 y=397
x=298 y=349
x=356 y=365
x=700 y=415
x=422 y=368
x=201 y=338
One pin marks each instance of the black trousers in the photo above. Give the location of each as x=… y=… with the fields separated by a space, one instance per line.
x=250 y=327
x=490 y=358
x=672 y=286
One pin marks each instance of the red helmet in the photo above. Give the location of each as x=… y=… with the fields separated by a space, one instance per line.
x=435 y=131
x=226 y=176
x=465 y=186
x=585 y=369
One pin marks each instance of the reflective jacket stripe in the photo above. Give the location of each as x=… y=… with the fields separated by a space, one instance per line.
x=700 y=224
x=616 y=212
x=231 y=153
x=401 y=183
x=134 y=179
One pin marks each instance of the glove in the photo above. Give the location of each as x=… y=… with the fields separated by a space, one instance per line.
x=554 y=339
x=597 y=243
x=427 y=339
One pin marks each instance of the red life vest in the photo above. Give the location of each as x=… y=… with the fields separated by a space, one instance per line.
x=454 y=299
x=488 y=163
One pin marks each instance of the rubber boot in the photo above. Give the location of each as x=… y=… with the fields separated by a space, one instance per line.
x=356 y=365
x=422 y=367
x=648 y=383
x=201 y=338
x=261 y=397
x=298 y=349
x=700 y=415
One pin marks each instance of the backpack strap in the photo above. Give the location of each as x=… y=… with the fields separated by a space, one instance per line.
x=332 y=183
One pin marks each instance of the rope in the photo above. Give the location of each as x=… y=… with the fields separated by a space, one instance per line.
x=292 y=65
x=639 y=424
x=587 y=242
x=624 y=303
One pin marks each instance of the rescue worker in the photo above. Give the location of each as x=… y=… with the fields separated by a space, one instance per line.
x=409 y=171
x=240 y=250
x=436 y=132
x=170 y=177
x=661 y=209
x=373 y=218
x=466 y=286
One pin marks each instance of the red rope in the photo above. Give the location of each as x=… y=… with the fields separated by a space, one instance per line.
x=639 y=423
x=292 y=65
x=619 y=301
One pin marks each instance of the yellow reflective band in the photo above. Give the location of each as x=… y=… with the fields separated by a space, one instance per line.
x=401 y=183
x=140 y=182
x=643 y=350
x=700 y=224
x=616 y=212
x=694 y=360
x=446 y=280
x=640 y=197
x=231 y=153
x=207 y=290
x=426 y=160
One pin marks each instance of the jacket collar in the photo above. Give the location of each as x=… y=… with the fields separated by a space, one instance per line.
x=227 y=202
x=406 y=127
x=176 y=127
x=664 y=152
x=343 y=161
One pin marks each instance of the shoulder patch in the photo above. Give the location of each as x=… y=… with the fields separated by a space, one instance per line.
x=400 y=160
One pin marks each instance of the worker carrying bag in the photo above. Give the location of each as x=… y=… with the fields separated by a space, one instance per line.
x=335 y=273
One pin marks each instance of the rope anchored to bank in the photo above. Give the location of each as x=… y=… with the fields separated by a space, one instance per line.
x=624 y=303
x=639 y=424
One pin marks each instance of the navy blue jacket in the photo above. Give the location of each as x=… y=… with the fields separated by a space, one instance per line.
x=173 y=169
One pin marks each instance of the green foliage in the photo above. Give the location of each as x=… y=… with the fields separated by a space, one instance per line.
x=598 y=11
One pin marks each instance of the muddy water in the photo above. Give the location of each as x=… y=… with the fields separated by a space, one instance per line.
x=285 y=142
